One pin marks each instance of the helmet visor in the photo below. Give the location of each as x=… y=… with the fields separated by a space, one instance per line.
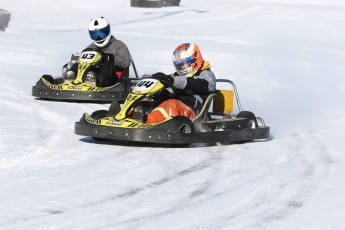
x=183 y=63
x=99 y=34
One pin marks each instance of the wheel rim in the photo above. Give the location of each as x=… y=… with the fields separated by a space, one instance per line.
x=185 y=128
x=252 y=124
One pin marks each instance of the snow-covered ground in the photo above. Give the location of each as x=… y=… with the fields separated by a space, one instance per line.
x=287 y=59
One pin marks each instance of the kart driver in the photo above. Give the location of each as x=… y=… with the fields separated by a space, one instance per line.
x=193 y=82
x=115 y=55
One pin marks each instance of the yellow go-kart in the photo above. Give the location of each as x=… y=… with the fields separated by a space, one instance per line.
x=83 y=87
x=216 y=122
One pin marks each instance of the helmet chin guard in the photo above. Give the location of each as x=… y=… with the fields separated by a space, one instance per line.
x=103 y=42
x=99 y=31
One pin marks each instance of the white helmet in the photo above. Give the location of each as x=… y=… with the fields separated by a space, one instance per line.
x=99 y=30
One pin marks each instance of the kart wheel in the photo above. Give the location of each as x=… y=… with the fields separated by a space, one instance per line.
x=114 y=108
x=252 y=122
x=185 y=128
x=48 y=78
x=59 y=80
x=99 y=114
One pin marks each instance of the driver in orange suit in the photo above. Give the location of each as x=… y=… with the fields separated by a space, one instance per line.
x=193 y=82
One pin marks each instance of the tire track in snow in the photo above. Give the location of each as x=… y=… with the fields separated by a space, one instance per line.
x=262 y=197
x=197 y=189
x=260 y=205
x=45 y=132
x=204 y=164
x=281 y=194
x=154 y=185
x=38 y=125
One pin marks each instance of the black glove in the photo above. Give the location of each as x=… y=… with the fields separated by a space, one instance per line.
x=108 y=57
x=163 y=78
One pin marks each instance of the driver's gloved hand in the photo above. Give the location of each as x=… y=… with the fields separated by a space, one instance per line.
x=108 y=57
x=69 y=70
x=163 y=78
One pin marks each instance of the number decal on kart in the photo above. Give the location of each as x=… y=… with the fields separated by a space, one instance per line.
x=145 y=84
x=88 y=56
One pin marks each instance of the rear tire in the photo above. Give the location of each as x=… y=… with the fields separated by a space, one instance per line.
x=252 y=122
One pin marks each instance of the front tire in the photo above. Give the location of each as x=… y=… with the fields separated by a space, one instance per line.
x=184 y=126
x=99 y=114
x=114 y=108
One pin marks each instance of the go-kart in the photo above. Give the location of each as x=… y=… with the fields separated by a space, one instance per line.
x=216 y=122
x=82 y=88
